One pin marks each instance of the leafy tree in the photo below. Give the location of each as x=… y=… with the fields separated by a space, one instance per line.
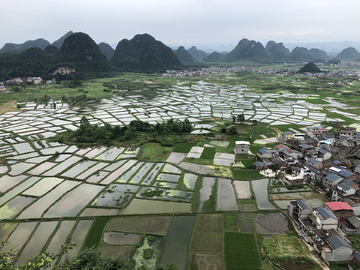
x=241 y=118
x=233 y=119
x=43 y=261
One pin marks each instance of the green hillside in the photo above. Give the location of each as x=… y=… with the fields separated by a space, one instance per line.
x=277 y=51
x=128 y=54
x=106 y=50
x=319 y=55
x=58 y=43
x=14 y=48
x=184 y=56
x=214 y=57
x=349 y=54
x=78 y=52
x=197 y=54
x=247 y=50
x=300 y=54
x=310 y=67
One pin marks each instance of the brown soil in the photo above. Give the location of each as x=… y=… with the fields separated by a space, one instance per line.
x=8 y=107
x=297 y=266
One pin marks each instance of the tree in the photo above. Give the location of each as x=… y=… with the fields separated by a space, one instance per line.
x=43 y=261
x=233 y=118
x=241 y=118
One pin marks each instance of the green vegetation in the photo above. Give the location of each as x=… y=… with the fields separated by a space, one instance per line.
x=79 y=56
x=154 y=152
x=94 y=236
x=241 y=249
x=151 y=193
x=144 y=54
x=230 y=221
x=148 y=253
x=355 y=240
x=244 y=174
x=208 y=153
x=287 y=249
x=183 y=147
x=310 y=67
x=88 y=133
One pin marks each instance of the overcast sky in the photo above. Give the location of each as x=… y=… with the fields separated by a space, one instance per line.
x=186 y=22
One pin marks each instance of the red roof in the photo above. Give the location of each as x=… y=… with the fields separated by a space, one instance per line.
x=279 y=146
x=335 y=206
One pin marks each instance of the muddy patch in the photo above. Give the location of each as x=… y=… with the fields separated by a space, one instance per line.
x=274 y=223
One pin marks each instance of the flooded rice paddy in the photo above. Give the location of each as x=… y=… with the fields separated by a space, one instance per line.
x=47 y=180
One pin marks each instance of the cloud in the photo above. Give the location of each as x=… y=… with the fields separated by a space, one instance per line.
x=182 y=21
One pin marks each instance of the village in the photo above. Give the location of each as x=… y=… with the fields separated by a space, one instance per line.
x=328 y=159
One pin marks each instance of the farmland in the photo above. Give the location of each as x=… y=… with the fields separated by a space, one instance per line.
x=54 y=191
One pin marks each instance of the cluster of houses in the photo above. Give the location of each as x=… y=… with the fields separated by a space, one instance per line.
x=2 y=87
x=198 y=72
x=326 y=160
x=34 y=80
x=314 y=160
x=325 y=228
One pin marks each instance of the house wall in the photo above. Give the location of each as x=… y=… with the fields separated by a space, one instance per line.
x=343 y=214
x=339 y=254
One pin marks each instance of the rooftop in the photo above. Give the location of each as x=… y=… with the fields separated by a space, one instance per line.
x=325 y=213
x=337 y=242
x=335 y=206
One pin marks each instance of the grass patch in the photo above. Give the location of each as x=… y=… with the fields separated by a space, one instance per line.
x=199 y=161
x=96 y=231
x=230 y=221
x=246 y=174
x=287 y=249
x=208 y=153
x=183 y=147
x=246 y=223
x=154 y=152
x=355 y=240
x=241 y=249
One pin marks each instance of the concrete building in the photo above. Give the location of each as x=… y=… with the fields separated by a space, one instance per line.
x=331 y=180
x=299 y=209
x=336 y=249
x=242 y=147
x=341 y=210
x=264 y=153
x=323 y=219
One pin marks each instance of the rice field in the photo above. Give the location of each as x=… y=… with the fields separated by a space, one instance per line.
x=52 y=193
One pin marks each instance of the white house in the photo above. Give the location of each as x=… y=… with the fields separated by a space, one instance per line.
x=242 y=147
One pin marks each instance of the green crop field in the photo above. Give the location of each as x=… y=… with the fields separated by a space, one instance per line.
x=183 y=147
x=208 y=153
x=241 y=251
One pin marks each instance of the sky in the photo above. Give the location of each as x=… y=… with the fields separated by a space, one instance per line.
x=182 y=22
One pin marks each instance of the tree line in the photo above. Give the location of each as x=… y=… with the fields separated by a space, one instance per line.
x=90 y=133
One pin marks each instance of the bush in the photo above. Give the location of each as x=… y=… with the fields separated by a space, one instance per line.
x=147 y=253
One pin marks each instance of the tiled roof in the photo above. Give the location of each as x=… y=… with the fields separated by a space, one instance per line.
x=335 y=206
x=337 y=242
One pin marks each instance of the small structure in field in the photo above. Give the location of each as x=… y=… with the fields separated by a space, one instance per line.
x=242 y=147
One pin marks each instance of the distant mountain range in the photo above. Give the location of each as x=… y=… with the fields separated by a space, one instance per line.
x=78 y=54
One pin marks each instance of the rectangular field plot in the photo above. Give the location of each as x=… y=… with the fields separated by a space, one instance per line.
x=111 y=154
x=37 y=241
x=138 y=177
x=141 y=207
x=226 y=196
x=261 y=194
x=177 y=241
x=13 y=207
x=43 y=186
x=242 y=189
x=154 y=225
x=116 y=195
x=241 y=250
x=37 y=209
x=18 y=238
x=207 y=203
x=74 y=201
